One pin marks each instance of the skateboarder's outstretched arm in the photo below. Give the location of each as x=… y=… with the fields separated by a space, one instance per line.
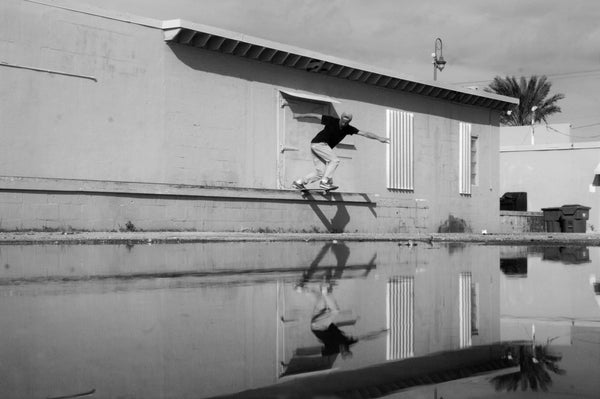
x=373 y=136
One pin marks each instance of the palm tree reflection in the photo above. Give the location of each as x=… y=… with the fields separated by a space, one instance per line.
x=535 y=362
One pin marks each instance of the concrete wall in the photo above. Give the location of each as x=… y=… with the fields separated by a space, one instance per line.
x=98 y=111
x=521 y=222
x=559 y=133
x=58 y=204
x=92 y=98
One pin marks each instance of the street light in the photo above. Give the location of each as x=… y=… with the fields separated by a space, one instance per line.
x=438 y=58
x=533 y=124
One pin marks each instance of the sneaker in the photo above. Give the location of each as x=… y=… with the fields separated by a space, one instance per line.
x=298 y=185
x=327 y=186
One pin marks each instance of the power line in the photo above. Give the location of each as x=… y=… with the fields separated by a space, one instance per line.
x=473 y=82
x=572 y=135
x=569 y=74
x=559 y=75
x=591 y=124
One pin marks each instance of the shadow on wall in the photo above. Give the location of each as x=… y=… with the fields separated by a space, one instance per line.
x=454 y=225
x=341 y=218
x=255 y=71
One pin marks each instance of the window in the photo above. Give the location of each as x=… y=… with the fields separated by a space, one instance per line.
x=465 y=159
x=474 y=161
x=399 y=129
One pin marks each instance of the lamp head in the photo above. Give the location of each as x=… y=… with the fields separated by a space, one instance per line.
x=440 y=63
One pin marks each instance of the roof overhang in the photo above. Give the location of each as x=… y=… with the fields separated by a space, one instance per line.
x=215 y=39
x=310 y=96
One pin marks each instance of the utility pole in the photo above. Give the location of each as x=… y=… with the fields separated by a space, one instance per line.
x=533 y=124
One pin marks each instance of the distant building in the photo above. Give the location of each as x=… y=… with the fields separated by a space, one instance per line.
x=112 y=121
x=552 y=172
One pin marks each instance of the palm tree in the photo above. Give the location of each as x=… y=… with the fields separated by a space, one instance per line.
x=531 y=93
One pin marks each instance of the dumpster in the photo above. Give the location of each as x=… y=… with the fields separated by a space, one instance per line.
x=574 y=218
x=513 y=202
x=552 y=218
x=566 y=218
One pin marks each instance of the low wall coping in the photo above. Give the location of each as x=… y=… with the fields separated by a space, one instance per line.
x=105 y=187
x=521 y=213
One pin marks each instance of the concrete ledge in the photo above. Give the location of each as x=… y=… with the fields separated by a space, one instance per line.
x=189 y=237
x=522 y=213
x=49 y=204
x=97 y=187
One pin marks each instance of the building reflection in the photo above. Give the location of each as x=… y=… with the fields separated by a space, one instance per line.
x=567 y=255
x=426 y=290
x=514 y=267
x=535 y=363
x=223 y=319
x=467 y=309
x=387 y=378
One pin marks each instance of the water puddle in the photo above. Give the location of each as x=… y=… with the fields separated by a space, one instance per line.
x=299 y=319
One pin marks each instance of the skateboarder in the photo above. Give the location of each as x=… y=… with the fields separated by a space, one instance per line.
x=322 y=145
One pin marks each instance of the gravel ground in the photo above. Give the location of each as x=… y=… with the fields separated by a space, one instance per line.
x=75 y=238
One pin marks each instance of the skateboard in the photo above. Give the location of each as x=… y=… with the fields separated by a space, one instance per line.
x=322 y=191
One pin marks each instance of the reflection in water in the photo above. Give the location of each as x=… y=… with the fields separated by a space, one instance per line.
x=325 y=323
x=330 y=273
x=326 y=320
x=386 y=378
x=514 y=267
x=534 y=362
x=302 y=319
x=567 y=255
x=400 y=317
x=327 y=317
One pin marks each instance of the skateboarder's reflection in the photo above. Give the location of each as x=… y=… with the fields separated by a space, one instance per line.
x=326 y=320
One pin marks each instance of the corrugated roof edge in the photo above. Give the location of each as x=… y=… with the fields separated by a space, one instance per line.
x=236 y=36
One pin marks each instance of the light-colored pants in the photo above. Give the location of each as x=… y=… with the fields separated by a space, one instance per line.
x=327 y=311
x=325 y=161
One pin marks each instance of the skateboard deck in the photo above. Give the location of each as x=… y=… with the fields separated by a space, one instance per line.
x=322 y=191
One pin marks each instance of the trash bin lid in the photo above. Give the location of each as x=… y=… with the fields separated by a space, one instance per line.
x=571 y=209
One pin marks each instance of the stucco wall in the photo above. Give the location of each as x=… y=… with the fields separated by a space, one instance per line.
x=230 y=105
x=102 y=121
x=109 y=100
x=559 y=133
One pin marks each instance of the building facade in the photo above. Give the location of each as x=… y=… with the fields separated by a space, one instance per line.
x=112 y=121
x=545 y=163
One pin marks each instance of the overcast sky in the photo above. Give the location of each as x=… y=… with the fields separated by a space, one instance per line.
x=481 y=38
